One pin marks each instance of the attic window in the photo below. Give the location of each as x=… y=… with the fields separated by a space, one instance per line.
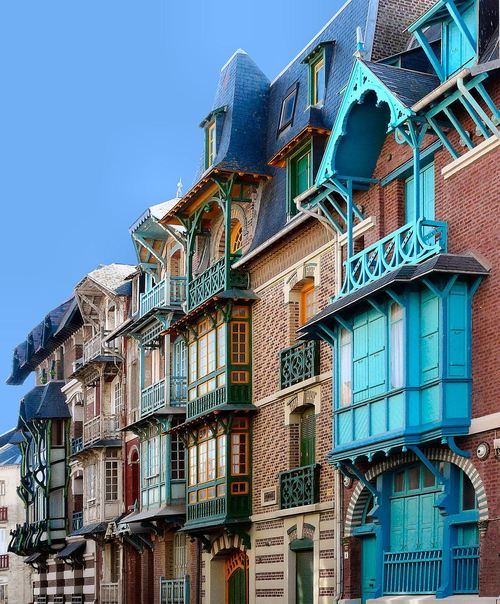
x=288 y=108
x=211 y=144
x=317 y=79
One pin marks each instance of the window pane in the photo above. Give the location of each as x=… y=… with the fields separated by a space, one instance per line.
x=319 y=82
x=211 y=459
x=468 y=494
x=202 y=462
x=414 y=478
x=345 y=367
x=221 y=346
x=193 y=469
x=287 y=109
x=397 y=353
x=239 y=454
x=239 y=343
x=399 y=482
x=221 y=456
x=429 y=480
x=211 y=351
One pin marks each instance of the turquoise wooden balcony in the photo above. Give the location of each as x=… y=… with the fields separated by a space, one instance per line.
x=299 y=486
x=174 y=591
x=298 y=363
x=410 y=244
x=170 y=391
x=234 y=394
x=170 y=291
x=216 y=279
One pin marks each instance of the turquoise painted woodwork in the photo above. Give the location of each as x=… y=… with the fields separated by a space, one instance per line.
x=458 y=52
x=368 y=568
x=412 y=394
x=427 y=195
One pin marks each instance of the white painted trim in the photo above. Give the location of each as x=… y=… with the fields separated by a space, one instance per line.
x=471 y=156
x=305 y=385
x=485 y=423
x=326 y=506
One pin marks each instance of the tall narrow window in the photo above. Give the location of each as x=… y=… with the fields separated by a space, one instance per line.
x=239 y=450
x=345 y=367
x=308 y=437
x=211 y=145
x=318 y=81
x=299 y=176
x=236 y=238
x=397 y=350
x=177 y=454
x=111 y=484
x=193 y=465
x=307 y=303
x=426 y=209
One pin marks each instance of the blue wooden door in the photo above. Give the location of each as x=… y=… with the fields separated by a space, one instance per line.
x=368 y=567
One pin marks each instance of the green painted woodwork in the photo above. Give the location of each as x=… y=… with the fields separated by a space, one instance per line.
x=430 y=396
x=235 y=394
x=170 y=291
x=304 y=577
x=307 y=428
x=299 y=174
x=236 y=587
x=298 y=363
x=299 y=486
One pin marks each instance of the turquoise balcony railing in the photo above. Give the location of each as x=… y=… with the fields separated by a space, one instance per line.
x=466 y=568
x=299 y=486
x=77 y=521
x=412 y=572
x=298 y=363
x=155 y=397
x=410 y=244
x=174 y=591
x=213 y=281
x=170 y=291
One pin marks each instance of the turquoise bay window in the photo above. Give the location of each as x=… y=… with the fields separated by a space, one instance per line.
x=403 y=369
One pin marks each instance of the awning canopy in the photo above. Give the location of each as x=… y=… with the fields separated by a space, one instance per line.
x=71 y=550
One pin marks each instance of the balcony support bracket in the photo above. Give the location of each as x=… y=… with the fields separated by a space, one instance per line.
x=455 y=448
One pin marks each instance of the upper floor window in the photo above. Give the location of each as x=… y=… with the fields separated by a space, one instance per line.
x=211 y=145
x=317 y=78
x=307 y=302
x=308 y=437
x=426 y=186
x=2 y=487
x=111 y=479
x=288 y=108
x=236 y=238
x=299 y=169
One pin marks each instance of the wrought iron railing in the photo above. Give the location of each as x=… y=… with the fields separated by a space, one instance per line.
x=174 y=591
x=76 y=445
x=466 y=568
x=167 y=292
x=110 y=593
x=95 y=347
x=206 y=509
x=4 y=513
x=213 y=281
x=416 y=572
x=298 y=363
x=178 y=390
x=409 y=244
x=153 y=397
x=77 y=521
x=4 y=561
x=299 y=486
x=98 y=428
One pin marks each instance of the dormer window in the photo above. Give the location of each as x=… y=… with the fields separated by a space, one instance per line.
x=317 y=79
x=288 y=108
x=211 y=144
x=299 y=172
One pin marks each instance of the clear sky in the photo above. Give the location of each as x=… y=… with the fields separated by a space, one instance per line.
x=99 y=110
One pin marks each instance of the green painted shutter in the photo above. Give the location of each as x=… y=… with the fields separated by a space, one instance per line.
x=236 y=587
x=302 y=174
x=304 y=577
x=307 y=438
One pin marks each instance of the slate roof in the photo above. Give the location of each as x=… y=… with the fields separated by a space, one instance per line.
x=111 y=276
x=406 y=85
x=157 y=211
x=71 y=549
x=441 y=263
x=10 y=453
x=90 y=529
x=44 y=402
x=41 y=341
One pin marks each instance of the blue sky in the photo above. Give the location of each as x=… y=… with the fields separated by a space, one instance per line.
x=99 y=114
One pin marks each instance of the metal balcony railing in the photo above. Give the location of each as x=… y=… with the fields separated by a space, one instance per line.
x=4 y=561
x=466 y=568
x=409 y=244
x=298 y=363
x=205 y=510
x=110 y=593
x=299 y=486
x=96 y=346
x=76 y=445
x=4 y=513
x=213 y=281
x=174 y=591
x=170 y=291
x=412 y=572
x=98 y=428
x=77 y=521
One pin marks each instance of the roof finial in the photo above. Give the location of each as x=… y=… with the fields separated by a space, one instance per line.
x=360 y=44
x=179 y=188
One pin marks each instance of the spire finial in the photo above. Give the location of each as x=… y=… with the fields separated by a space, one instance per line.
x=360 y=44
x=179 y=188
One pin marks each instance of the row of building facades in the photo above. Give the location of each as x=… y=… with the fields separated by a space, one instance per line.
x=293 y=397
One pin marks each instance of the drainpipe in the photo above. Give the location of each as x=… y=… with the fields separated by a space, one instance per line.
x=479 y=110
x=339 y=487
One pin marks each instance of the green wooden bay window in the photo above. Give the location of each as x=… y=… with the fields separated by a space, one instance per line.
x=219 y=360
x=219 y=470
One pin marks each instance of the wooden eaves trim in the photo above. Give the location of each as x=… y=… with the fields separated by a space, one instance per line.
x=279 y=159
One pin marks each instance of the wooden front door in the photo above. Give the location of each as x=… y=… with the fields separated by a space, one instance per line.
x=237 y=578
x=368 y=567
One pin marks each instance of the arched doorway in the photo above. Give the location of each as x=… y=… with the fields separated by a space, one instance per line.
x=236 y=573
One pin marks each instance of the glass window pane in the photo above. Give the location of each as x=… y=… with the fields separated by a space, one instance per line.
x=287 y=109
x=399 y=482
x=429 y=480
x=397 y=352
x=345 y=367
x=319 y=82
x=468 y=494
x=413 y=478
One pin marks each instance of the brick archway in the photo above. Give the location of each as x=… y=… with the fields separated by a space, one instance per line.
x=361 y=494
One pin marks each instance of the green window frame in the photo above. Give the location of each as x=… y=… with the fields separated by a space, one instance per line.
x=317 y=80
x=299 y=173
x=307 y=437
x=210 y=144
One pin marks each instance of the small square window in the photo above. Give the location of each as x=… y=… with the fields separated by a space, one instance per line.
x=288 y=108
